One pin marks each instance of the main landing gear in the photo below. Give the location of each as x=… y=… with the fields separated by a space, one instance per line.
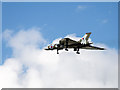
x=66 y=49
x=77 y=51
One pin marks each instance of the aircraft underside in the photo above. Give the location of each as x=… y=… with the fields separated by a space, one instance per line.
x=76 y=47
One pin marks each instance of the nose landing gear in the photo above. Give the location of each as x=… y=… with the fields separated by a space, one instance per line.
x=57 y=51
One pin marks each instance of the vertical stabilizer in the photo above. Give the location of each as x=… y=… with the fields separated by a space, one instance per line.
x=85 y=38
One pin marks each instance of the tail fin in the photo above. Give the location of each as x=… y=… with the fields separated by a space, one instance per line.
x=85 y=38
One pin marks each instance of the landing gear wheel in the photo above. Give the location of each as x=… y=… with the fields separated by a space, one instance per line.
x=66 y=49
x=78 y=52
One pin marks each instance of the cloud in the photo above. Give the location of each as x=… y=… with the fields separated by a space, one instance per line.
x=104 y=21
x=80 y=8
x=31 y=66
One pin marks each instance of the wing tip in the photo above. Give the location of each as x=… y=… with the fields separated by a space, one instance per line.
x=103 y=49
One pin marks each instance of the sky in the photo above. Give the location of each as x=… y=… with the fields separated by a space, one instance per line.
x=29 y=27
x=60 y=19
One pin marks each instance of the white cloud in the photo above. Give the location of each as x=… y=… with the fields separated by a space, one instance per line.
x=80 y=8
x=105 y=21
x=46 y=69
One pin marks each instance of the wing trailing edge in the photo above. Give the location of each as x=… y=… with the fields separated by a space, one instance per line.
x=93 y=48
